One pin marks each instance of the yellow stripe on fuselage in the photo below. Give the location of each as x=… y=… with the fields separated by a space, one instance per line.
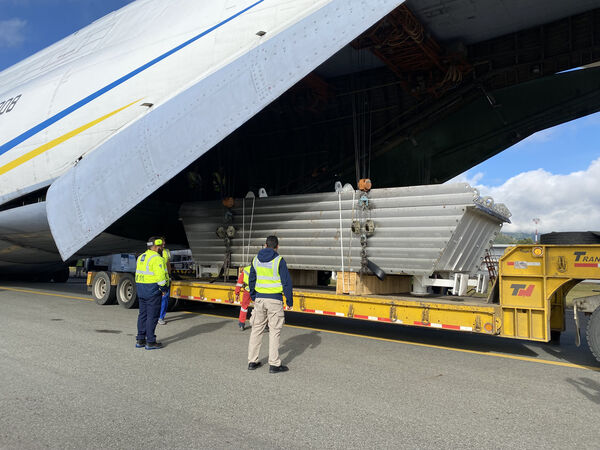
x=49 y=145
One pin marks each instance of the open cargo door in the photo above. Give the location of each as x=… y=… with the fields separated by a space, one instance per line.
x=149 y=152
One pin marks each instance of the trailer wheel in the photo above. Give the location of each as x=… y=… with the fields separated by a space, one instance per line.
x=102 y=291
x=593 y=333
x=126 y=292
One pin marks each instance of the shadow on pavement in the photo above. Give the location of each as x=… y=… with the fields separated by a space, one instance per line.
x=589 y=388
x=174 y=318
x=569 y=353
x=297 y=345
x=567 y=350
x=194 y=331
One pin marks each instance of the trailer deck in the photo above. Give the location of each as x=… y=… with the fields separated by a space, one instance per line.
x=527 y=301
x=447 y=312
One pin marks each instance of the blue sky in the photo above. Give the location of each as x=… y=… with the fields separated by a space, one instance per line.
x=554 y=174
x=561 y=150
x=27 y=26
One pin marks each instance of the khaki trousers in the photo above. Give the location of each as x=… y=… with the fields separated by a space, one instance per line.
x=266 y=310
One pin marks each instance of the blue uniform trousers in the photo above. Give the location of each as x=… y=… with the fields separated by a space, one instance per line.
x=148 y=317
x=164 y=304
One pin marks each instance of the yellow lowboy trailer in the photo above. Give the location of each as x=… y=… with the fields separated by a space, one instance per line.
x=526 y=302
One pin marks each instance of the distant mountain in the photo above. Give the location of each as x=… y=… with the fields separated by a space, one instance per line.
x=514 y=238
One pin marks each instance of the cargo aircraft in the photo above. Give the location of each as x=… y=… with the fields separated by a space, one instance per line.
x=105 y=133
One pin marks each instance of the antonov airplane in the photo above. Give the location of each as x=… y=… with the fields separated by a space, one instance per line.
x=94 y=124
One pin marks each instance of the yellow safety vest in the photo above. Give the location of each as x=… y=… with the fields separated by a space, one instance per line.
x=166 y=256
x=247 y=278
x=150 y=269
x=268 y=280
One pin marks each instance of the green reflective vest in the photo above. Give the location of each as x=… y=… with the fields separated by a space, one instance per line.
x=166 y=254
x=150 y=269
x=247 y=278
x=268 y=280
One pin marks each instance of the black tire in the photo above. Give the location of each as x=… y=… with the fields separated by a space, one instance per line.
x=593 y=333
x=571 y=238
x=126 y=292
x=102 y=291
x=61 y=276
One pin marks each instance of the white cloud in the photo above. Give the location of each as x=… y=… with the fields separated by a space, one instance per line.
x=12 y=32
x=465 y=178
x=562 y=202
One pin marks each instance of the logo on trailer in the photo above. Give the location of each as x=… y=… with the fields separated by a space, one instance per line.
x=583 y=260
x=522 y=290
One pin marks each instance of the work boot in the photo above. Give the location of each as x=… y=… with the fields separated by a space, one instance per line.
x=254 y=366
x=242 y=326
x=153 y=345
x=139 y=343
x=277 y=369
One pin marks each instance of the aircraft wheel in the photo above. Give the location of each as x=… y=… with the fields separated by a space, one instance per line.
x=61 y=276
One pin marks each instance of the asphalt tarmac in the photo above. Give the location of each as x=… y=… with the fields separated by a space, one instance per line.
x=72 y=378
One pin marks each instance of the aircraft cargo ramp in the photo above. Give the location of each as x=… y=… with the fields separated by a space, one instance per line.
x=256 y=66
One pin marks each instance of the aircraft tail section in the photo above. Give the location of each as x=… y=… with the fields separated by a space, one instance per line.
x=148 y=153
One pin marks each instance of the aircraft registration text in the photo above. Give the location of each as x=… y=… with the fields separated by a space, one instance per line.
x=7 y=106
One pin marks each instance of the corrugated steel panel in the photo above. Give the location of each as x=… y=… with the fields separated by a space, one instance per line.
x=419 y=230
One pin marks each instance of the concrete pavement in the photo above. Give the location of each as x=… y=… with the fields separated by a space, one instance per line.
x=71 y=378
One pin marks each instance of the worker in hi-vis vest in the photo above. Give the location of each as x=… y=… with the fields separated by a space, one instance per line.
x=243 y=285
x=151 y=284
x=164 y=303
x=269 y=280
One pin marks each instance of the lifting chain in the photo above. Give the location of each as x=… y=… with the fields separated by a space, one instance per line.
x=364 y=226
x=227 y=232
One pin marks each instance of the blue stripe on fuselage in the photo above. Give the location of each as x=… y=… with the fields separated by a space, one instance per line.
x=45 y=124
